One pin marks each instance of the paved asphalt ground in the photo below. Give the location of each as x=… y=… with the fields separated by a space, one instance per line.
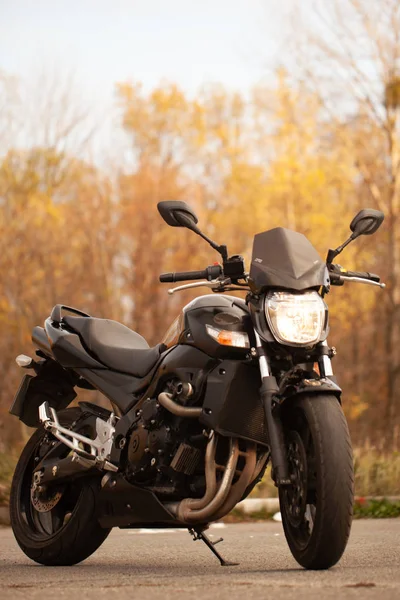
x=169 y=565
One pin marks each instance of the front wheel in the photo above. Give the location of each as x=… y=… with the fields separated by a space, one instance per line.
x=317 y=507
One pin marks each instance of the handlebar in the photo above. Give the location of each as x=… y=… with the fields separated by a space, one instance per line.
x=338 y=275
x=209 y=273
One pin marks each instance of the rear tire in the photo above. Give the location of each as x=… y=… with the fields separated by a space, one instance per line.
x=317 y=509
x=45 y=537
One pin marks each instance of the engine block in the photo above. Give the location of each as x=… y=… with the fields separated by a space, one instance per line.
x=160 y=451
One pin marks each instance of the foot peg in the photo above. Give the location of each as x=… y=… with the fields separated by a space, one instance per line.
x=100 y=448
x=198 y=534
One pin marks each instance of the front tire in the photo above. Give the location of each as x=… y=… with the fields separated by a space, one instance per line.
x=67 y=533
x=317 y=508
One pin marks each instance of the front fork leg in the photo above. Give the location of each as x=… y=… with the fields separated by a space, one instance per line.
x=269 y=389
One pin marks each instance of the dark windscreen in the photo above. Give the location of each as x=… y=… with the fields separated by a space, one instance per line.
x=286 y=259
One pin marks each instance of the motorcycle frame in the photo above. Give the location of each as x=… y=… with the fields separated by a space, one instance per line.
x=126 y=394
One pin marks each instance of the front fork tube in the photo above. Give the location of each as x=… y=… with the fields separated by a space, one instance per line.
x=269 y=388
x=324 y=362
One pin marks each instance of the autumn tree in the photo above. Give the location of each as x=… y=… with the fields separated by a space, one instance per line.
x=56 y=224
x=349 y=53
x=92 y=238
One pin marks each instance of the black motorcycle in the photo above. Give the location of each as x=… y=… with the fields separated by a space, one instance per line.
x=195 y=420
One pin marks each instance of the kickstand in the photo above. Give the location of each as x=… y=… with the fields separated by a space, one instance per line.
x=198 y=534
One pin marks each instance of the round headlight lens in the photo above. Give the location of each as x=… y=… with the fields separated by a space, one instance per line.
x=295 y=319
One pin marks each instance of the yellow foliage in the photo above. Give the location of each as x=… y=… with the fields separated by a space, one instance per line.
x=71 y=234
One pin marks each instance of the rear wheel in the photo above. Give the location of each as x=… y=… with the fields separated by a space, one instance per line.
x=57 y=526
x=317 y=508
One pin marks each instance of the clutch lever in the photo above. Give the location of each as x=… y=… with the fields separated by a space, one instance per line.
x=214 y=284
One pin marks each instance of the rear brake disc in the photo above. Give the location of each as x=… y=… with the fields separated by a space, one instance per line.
x=44 y=502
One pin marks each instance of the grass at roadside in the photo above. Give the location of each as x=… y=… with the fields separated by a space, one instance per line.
x=377 y=473
x=363 y=509
x=376 y=509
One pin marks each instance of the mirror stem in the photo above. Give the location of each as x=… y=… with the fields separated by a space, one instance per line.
x=332 y=254
x=222 y=250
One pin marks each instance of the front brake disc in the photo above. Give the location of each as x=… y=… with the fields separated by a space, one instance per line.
x=296 y=493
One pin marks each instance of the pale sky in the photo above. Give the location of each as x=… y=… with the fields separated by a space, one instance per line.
x=100 y=42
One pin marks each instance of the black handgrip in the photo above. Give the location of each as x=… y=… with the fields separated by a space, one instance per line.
x=210 y=273
x=363 y=275
x=184 y=276
x=167 y=277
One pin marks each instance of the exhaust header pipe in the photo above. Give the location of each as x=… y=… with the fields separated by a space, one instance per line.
x=166 y=400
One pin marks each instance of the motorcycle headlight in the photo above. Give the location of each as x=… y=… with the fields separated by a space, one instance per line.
x=295 y=319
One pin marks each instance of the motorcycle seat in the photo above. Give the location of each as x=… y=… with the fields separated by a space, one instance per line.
x=115 y=345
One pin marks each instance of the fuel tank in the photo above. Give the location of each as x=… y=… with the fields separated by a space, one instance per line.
x=222 y=312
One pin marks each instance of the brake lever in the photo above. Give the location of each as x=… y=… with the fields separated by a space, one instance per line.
x=361 y=280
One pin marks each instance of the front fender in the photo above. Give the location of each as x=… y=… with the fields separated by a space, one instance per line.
x=304 y=382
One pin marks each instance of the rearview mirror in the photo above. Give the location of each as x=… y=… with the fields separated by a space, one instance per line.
x=178 y=214
x=366 y=222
